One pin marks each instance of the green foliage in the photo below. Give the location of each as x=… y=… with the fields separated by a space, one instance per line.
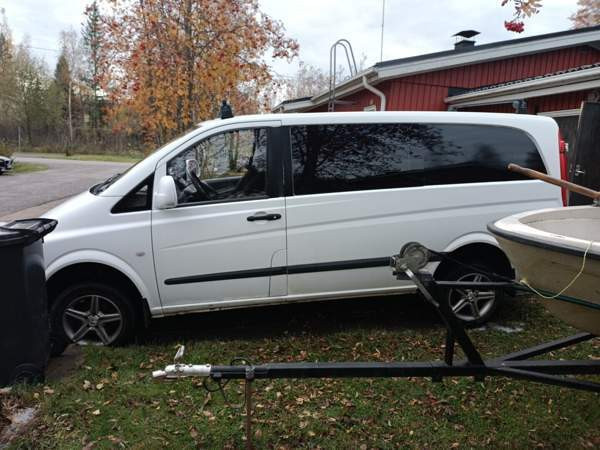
x=92 y=41
x=21 y=167
x=62 y=73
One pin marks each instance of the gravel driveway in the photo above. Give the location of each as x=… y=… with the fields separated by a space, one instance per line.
x=63 y=179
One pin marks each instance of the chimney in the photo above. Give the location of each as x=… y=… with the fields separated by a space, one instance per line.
x=463 y=41
x=465 y=44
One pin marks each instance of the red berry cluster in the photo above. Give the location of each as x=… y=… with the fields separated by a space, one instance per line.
x=513 y=25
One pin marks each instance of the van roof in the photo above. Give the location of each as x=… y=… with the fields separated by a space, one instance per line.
x=508 y=119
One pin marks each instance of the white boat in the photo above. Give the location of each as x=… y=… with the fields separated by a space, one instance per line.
x=557 y=253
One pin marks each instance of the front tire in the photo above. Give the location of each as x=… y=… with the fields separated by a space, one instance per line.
x=471 y=306
x=91 y=314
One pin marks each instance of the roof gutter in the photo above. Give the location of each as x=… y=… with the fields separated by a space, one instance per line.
x=377 y=92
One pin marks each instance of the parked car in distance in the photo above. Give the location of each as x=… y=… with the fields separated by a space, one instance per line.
x=271 y=209
x=6 y=164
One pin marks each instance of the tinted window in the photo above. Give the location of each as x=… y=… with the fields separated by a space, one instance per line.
x=139 y=199
x=337 y=158
x=224 y=167
x=476 y=153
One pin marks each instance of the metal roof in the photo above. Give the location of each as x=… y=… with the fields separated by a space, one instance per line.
x=539 y=37
x=538 y=77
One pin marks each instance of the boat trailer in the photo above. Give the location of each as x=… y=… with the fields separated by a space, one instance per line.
x=407 y=265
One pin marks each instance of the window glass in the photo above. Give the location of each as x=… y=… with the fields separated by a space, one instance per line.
x=477 y=153
x=337 y=158
x=227 y=166
x=139 y=199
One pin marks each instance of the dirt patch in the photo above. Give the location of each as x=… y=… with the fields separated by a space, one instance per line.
x=64 y=365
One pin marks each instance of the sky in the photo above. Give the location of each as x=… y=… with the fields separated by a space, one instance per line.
x=412 y=27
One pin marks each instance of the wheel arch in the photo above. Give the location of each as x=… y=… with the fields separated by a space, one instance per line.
x=98 y=272
x=476 y=246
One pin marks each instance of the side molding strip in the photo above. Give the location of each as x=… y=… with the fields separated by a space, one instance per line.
x=282 y=270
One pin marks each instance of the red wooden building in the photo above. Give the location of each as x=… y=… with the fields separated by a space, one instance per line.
x=548 y=74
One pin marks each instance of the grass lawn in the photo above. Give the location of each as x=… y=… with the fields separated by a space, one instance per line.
x=22 y=167
x=112 y=401
x=90 y=157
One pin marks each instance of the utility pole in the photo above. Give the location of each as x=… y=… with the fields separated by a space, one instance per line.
x=382 y=24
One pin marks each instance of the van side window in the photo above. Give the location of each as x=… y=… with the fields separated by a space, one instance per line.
x=139 y=199
x=477 y=153
x=337 y=158
x=225 y=167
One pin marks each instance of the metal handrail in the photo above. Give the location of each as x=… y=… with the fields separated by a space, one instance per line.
x=345 y=44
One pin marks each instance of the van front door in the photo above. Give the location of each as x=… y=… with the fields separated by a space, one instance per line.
x=224 y=244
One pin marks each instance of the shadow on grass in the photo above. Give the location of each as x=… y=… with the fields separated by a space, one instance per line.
x=317 y=318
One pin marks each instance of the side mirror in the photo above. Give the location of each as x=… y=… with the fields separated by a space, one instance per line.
x=165 y=195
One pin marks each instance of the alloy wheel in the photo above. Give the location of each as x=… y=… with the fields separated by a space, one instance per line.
x=471 y=304
x=92 y=320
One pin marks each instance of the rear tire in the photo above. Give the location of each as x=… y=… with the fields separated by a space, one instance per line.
x=91 y=314
x=472 y=307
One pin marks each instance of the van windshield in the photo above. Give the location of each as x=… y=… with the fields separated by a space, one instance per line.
x=104 y=185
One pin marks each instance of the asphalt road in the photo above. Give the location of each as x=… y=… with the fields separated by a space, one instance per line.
x=63 y=179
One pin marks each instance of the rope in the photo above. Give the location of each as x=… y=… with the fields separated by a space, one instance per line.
x=562 y=291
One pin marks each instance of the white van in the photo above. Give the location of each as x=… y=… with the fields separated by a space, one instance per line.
x=267 y=209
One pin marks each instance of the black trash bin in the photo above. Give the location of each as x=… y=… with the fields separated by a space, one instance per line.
x=24 y=325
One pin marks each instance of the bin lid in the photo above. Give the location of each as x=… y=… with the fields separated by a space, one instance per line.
x=25 y=232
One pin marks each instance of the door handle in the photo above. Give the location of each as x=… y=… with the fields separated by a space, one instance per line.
x=578 y=170
x=262 y=216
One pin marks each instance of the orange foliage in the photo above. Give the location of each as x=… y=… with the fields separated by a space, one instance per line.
x=168 y=63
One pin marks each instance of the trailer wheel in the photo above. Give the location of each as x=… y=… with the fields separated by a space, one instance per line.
x=473 y=307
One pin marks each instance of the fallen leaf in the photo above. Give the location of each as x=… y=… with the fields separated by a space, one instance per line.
x=96 y=412
x=99 y=386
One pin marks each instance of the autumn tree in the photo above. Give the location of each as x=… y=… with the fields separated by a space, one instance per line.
x=587 y=15
x=170 y=62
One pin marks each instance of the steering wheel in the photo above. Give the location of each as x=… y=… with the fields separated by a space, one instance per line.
x=204 y=189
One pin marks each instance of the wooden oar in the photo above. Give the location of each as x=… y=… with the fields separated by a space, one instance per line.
x=548 y=179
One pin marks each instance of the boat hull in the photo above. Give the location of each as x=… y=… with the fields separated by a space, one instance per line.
x=547 y=248
x=551 y=271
